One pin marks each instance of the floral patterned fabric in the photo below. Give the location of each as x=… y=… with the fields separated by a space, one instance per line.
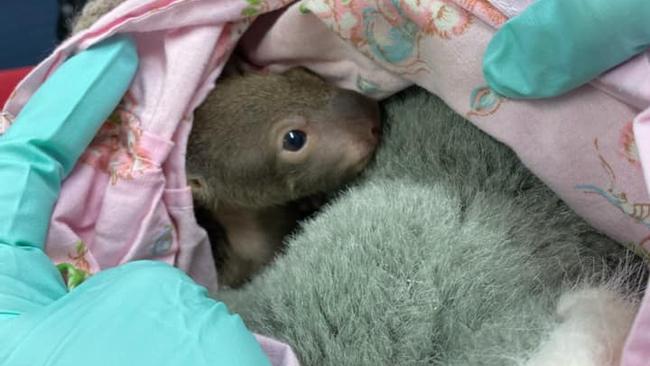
x=127 y=198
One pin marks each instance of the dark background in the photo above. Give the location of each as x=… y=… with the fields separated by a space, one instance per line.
x=30 y=29
x=27 y=31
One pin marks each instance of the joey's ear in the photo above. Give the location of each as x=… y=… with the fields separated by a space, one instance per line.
x=201 y=192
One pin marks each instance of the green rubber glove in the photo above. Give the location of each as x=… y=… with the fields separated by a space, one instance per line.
x=38 y=151
x=557 y=45
x=142 y=313
x=50 y=133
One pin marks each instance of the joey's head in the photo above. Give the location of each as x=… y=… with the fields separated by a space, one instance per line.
x=262 y=140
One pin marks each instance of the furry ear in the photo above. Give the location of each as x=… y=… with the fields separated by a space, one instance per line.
x=201 y=192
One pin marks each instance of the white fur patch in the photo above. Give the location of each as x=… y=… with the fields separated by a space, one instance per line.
x=594 y=323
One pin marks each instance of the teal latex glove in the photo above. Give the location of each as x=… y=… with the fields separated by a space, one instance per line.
x=557 y=45
x=143 y=313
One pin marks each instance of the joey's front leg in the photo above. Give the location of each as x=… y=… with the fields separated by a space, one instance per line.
x=253 y=237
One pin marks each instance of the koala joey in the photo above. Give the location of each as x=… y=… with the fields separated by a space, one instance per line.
x=261 y=143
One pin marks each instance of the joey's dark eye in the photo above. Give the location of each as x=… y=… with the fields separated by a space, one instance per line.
x=294 y=140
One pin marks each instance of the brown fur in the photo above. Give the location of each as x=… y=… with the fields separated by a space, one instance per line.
x=243 y=121
x=240 y=174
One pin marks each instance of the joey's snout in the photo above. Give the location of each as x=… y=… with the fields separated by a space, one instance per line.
x=357 y=122
x=359 y=112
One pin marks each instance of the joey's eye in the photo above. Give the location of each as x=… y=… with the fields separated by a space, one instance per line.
x=294 y=140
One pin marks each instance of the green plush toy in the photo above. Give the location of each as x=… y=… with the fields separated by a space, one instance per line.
x=447 y=252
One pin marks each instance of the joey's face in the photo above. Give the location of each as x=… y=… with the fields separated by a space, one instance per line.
x=319 y=150
x=263 y=140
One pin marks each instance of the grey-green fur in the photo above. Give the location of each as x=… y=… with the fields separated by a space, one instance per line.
x=447 y=252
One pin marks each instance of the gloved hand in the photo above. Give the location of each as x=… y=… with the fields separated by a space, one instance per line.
x=557 y=45
x=142 y=313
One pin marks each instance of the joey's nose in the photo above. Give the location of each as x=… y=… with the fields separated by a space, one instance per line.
x=359 y=112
